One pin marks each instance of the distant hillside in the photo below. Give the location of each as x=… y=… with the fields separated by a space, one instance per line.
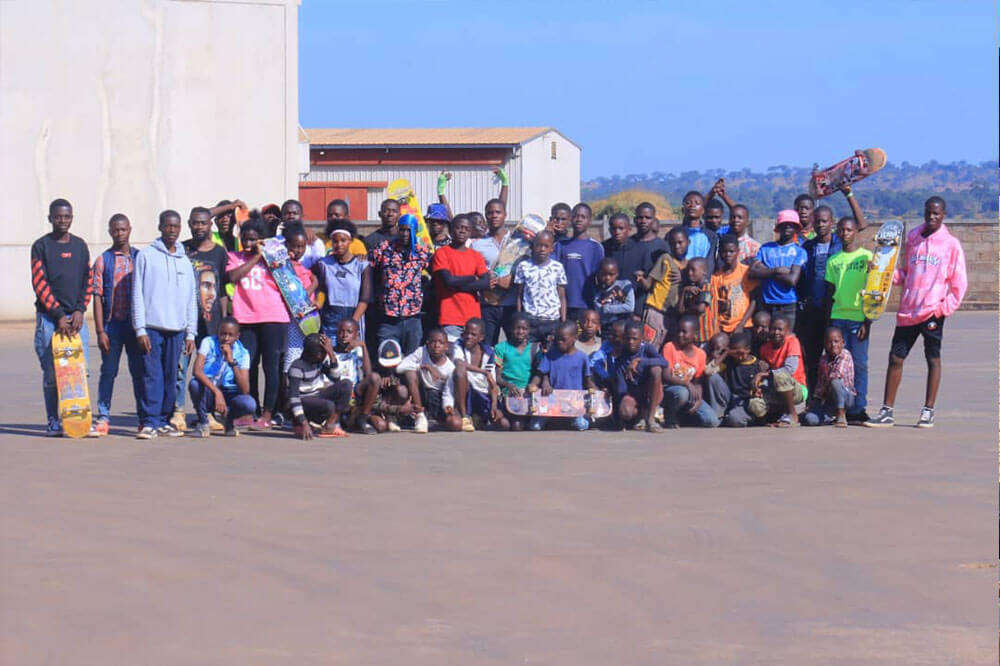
x=898 y=190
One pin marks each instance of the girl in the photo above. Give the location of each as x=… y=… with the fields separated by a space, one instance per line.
x=296 y=241
x=346 y=281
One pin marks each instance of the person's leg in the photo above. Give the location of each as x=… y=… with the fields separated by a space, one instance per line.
x=493 y=320
x=811 y=325
x=717 y=394
x=390 y=329
x=183 y=365
x=859 y=352
x=674 y=398
x=151 y=404
x=737 y=416
x=202 y=399
x=272 y=345
x=109 y=367
x=412 y=334
x=703 y=417
x=654 y=391
x=462 y=397
x=133 y=356
x=249 y=337
x=840 y=400
x=173 y=347
x=238 y=405
x=317 y=409
x=933 y=333
x=44 y=329
x=627 y=411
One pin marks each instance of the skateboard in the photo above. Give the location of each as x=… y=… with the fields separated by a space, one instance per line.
x=561 y=403
x=294 y=294
x=517 y=243
x=71 y=381
x=401 y=190
x=862 y=164
x=875 y=295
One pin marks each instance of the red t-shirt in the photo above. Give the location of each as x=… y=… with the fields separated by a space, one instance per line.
x=776 y=357
x=457 y=307
x=683 y=366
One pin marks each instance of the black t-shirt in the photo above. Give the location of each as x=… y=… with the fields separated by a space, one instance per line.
x=60 y=276
x=739 y=377
x=375 y=238
x=635 y=255
x=209 y=276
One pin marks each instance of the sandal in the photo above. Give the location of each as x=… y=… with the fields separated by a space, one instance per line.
x=336 y=432
x=785 y=422
x=839 y=424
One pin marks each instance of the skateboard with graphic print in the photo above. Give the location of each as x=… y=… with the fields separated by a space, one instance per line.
x=71 y=383
x=862 y=164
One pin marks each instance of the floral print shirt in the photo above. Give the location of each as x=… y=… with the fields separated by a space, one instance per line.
x=401 y=294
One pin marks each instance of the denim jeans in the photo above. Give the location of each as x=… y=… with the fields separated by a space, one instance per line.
x=237 y=404
x=183 y=363
x=675 y=398
x=159 y=377
x=838 y=397
x=44 y=330
x=859 y=351
x=407 y=331
x=121 y=336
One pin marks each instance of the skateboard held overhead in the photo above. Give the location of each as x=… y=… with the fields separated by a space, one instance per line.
x=294 y=294
x=561 y=403
x=875 y=295
x=71 y=382
x=862 y=164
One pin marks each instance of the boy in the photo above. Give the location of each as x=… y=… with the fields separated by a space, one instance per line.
x=476 y=392
x=354 y=365
x=682 y=400
x=804 y=206
x=221 y=379
x=315 y=393
x=834 y=393
x=541 y=288
x=498 y=303
x=112 y=280
x=438 y=225
x=637 y=381
x=714 y=211
x=428 y=373
x=614 y=299
x=663 y=285
x=559 y=217
x=732 y=288
x=641 y=255
x=716 y=351
x=562 y=367
x=296 y=243
x=703 y=242
x=513 y=361
x=779 y=264
x=811 y=320
x=460 y=273
x=696 y=298
x=786 y=377
x=393 y=398
x=739 y=222
x=934 y=282
x=580 y=256
x=761 y=330
x=60 y=277
x=398 y=263
x=589 y=337
x=730 y=390
x=846 y=275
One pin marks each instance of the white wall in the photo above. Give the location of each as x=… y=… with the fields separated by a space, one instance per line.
x=135 y=106
x=545 y=180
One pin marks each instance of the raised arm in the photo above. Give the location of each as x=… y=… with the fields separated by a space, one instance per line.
x=852 y=201
x=504 y=184
x=443 y=179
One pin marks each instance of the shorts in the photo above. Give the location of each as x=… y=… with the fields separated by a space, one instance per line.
x=782 y=382
x=433 y=403
x=657 y=326
x=904 y=337
x=479 y=404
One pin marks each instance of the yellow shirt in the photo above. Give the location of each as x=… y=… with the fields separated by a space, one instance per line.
x=666 y=275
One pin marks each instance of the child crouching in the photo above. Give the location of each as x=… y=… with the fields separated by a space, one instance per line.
x=221 y=379
x=429 y=375
x=315 y=393
x=834 y=393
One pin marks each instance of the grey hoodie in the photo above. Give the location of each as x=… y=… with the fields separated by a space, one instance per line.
x=163 y=291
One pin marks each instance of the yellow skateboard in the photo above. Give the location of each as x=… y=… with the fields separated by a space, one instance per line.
x=71 y=381
x=875 y=295
x=401 y=190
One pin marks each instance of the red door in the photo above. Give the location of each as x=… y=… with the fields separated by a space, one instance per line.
x=315 y=197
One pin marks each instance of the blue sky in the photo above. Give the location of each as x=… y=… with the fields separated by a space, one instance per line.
x=666 y=86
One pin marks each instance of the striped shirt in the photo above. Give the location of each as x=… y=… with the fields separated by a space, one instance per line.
x=307 y=379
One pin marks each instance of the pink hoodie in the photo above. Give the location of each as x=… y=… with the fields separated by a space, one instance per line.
x=932 y=275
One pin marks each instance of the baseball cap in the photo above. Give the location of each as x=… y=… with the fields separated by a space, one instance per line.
x=788 y=216
x=437 y=211
x=389 y=354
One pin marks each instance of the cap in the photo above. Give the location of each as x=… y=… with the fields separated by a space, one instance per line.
x=268 y=207
x=437 y=211
x=408 y=221
x=788 y=216
x=389 y=354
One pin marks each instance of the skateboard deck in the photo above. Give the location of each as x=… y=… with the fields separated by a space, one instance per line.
x=826 y=181
x=401 y=190
x=71 y=382
x=875 y=295
x=562 y=403
x=294 y=294
x=517 y=243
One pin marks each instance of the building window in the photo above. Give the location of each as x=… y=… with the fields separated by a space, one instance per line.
x=552 y=146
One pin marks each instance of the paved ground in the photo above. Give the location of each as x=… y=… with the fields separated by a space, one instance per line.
x=760 y=546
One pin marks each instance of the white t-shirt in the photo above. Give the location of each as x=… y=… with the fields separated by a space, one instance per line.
x=446 y=369
x=477 y=382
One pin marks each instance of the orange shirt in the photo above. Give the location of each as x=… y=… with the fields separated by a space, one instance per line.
x=733 y=288
x=775 y=357
x=682 y=366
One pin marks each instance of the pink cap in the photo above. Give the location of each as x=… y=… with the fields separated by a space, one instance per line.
x=788 y=216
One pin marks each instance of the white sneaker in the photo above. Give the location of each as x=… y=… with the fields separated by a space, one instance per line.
x=391 y=424
x=420 y=423
x=146 y=433
x=169 y=431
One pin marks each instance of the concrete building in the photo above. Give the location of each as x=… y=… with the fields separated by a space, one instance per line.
x=357 y=165
x=136 y=106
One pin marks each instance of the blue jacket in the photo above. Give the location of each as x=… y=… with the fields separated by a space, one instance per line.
x=164 y=293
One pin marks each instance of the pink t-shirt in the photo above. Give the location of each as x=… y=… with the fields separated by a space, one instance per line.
x=256 y=299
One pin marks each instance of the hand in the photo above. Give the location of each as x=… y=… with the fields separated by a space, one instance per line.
x=448 y=411
x=227 y=352
x=220 y=403
x=639 y=275
x=76 y=321
x=241 y=204
x=864 y=329
x=145 y=346
x=65 y=327
x=327 y=345
x=782 y=270
x=495 y=415
x=443 y=179
x=305 y=431
x=493 y=281
x=846 y=189
x=547 y=389
x=188 y=347
x=502 y=175
x=103 y=342
x=386 y=382
x=515 y=391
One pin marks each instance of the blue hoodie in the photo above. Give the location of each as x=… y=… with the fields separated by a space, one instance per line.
x=163 y=291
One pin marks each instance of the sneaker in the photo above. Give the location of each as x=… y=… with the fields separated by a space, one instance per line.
x=392 y=425
x=926 y=419
x=278 y=421
x=203 y=430
x=467 y=425
x=859 y=418
x=93 y=433
x=146 y=433
x=365 y=427
x=178 y=421
x=786 y=421
x=535 y=425
x=102 y=427
x=53 y=429
x=232 y=432
x=581 y=423
x=214 y=425
x=420 y=423
x=169 y=431
x=883 y=420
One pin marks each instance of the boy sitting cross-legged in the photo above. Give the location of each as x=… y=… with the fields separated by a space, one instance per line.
x=731 y=391
x=784 y=383
x=221 y=381
x=476 y=392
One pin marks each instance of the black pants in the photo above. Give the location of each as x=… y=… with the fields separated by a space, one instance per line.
x=811 y=327
x=334 y=398
x=497 y=318
x=265 y=343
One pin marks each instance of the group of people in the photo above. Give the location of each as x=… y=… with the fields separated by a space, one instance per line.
x=701 y=326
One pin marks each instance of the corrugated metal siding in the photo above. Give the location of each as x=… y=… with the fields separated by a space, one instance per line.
x=469 y=189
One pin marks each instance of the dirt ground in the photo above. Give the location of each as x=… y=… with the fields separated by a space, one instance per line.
x=812 y=546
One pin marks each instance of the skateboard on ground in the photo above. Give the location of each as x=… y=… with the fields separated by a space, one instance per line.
x=401 y=190
x=875 y=295
x=71 y=382
x=517 y=243
x=294 y=294
x=862 y=164
x=561 y=403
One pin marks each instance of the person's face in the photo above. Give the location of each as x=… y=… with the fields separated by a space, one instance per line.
x=460 y=232
x=618 y=228
x=834 y=343
x=519 y=333
x=581 y=220
x=694 y=207
x=607 y=276
x=200 y=225
x=591 y=324
x=224 y=223
x=336 y=212
x=479 y=226
x=560 y=221
x=823 y=222
x=296 y=246
x=678 y=245
x=565 y=340
x=717 y=347
x=472 y=335
x=228 y=333
x=686 y=334
x=737 y=221
x=542 y=247
x=347 y=330
x=120 y=230
x=713 y=218
x=437 y=344
x=644 y=218
x=786 y=232
x=270 y=219
x=696 y=271
x=805 y=210
x=404 y=237
x=729 y=254
x=389 y=214
x=61 y=219
x=436 y=228
x=740 y=354
x=934 y=216
x=249 y=238
x=291 y=213
x=847 y=231
x=778 y=331
x=170 y=230
x=618 y=336
x=496 y=216
x=761 y=327
x=340 y=245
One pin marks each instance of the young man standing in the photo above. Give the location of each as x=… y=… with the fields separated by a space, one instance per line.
x=934 y=282
x=580 y=256
x=702 y=242
x=642 y=252
x=388 y=213
x=165 y=318
x=398 y=262
x=459 y=274
x=60 y=278
x=811 y=320
x=778 y=265
x=498 y=303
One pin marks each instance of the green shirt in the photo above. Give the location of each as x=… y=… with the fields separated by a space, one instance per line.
x=848 y=273
x=515 y=366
